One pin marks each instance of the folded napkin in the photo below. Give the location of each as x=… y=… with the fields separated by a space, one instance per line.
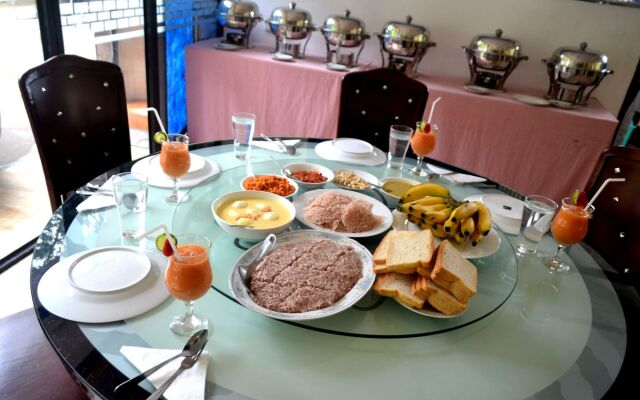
x=187 y=386
x=463 y=178
x=98 y=200
x=273 y=146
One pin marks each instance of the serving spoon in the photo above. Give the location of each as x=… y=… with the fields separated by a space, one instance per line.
x=244 y=270
x=288 y=148
x=195 y=344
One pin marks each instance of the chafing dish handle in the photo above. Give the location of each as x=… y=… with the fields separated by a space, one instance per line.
x=381 y=38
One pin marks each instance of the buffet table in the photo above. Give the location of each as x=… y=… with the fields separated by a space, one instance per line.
x=541 y=150
x=554 y=336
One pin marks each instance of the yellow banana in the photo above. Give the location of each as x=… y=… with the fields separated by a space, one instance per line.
x=426 y=225
x=464 y=211
x=484 y=218
x=476 y=237
x=467 y=226
x=414 y=219
x=424 y=211
x=459 y=237
x=438 y=231
x=438 y=216
x=425 y=201
x=423 y=190
x=452 y=223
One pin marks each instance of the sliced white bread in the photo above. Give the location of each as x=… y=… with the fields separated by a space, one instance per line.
x=442 y=300
x=420 y=287
x=410 y=249
x=397 y=286
x=380 y=254
x=383 y=269
x=453 y=272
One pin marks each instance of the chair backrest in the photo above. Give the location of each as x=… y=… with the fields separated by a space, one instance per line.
x=614 y=230
x=371 y=101
x=78 y=113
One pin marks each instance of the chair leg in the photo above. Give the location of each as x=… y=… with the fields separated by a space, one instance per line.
x=17 y=255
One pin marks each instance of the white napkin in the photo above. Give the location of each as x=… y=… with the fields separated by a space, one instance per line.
x=463 y=178
x=187 y=386
x=273 y=146
x=97 y=201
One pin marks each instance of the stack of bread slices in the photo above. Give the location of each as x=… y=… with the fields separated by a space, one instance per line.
x=414 y=272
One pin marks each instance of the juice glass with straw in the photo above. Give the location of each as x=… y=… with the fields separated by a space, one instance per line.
x=175 y=161
x=188 y=277
x=423 y=140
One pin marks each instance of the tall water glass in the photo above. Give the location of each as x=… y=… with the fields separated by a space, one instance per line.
x=536 y=220
x=175 y=161
x=130 y=193
x=399 y=136
x=243 y=127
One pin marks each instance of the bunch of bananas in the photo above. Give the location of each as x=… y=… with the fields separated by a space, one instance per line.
x=431 y=206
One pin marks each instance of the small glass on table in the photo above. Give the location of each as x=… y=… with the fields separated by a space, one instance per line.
x=537 y=215
x=569 y=226
x=188 y=277
x=399 y=136
x=175 y=162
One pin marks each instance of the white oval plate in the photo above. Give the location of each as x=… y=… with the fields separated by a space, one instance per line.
x=532 y=100
x=563 y=104
x=361 y=287
x=226 y=46
x=352 y=147
x=378 y=209
x=326 y=151
x=486 y=247
x=477 y=89
x=60 y=298
x=108 y=269
x=363 y=174
x=429 y=311
x=150 y=167
x=282 y=57
x=336 y=67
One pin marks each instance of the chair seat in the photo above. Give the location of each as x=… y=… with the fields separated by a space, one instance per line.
x=29 y=367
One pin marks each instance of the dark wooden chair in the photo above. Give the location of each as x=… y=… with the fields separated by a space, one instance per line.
x=371 y=101
x=29 y=367
x=614 y=230
x=78 y=114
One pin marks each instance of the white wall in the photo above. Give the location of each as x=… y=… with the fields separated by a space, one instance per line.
x=541 y=26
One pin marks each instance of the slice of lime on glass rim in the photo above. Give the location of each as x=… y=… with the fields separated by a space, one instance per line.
x=160 y=137
x=162 y=238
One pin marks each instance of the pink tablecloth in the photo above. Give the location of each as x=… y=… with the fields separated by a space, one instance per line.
x=541 y=150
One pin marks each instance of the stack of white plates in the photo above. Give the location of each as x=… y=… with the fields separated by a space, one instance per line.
x=199 y=170
x=351 y=151
x=506 y=211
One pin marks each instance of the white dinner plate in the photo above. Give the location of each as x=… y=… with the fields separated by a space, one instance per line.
x=199 y=170
x=336 y=67
x=532 y=100
x=352 y=147
x=360 y=289
x=363 y=174
x=108 y=269
x=226 y=46
x=282 y=57
x=428 y=311
x=62 y=299
x=487 y=246
x=378 y=209
x=328 y=152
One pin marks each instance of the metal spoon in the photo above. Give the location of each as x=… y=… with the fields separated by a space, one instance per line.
x=195 y=344
x=289 y=149
x=185 y=364
x=244 y=270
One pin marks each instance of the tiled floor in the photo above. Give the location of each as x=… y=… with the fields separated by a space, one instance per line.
x=24 y=211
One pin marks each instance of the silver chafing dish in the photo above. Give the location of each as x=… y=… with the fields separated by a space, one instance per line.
x=342 y=33
x=291 y=26
x=406 y=45
x=237 y=19
x=574 y=73
x=492 y=59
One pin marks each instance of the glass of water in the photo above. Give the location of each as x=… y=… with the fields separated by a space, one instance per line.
x=399 y=136
x=130 y=192
x=243 y=127
x=537 y=216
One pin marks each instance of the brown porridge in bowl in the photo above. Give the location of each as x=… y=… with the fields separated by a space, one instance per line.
x=305 y=276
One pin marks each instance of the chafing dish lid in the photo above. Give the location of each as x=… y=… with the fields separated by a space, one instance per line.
x=580 y=59
x=343 y=24
x=239 y=9
x=291 y=16
x=496 y=45
x=406 y=31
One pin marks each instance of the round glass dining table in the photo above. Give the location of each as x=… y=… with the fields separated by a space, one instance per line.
x=528 y=333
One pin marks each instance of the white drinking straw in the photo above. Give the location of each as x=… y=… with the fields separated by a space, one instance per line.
x=433 y=106
x=595 y=196
x=155 y=112
x=166 y=233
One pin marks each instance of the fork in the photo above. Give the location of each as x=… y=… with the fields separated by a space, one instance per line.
x=187 y=363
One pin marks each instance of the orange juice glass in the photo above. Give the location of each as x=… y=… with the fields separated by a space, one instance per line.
x=422 y=143
x=188 y=277
x=570 y=226
x=175 y=162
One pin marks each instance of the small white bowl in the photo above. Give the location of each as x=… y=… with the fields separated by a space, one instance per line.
x=252 y=234
x=291 y=182
x=363 y=174
x=295 y=167
x=392 y=200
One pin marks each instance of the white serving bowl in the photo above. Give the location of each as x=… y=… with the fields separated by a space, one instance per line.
x=252 y=234
x=295 y=167
x=392 y=200
x=291 y=182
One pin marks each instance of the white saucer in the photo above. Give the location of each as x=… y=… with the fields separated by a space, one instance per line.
x=200 y=170
x=327 y=151
x=336 y=67
x=58 y=296
x=226 y=46
x=282 y=57
x=532 y=100
x=108 y=269
x=352 y=147
x=563 y=104
x=477 y=89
